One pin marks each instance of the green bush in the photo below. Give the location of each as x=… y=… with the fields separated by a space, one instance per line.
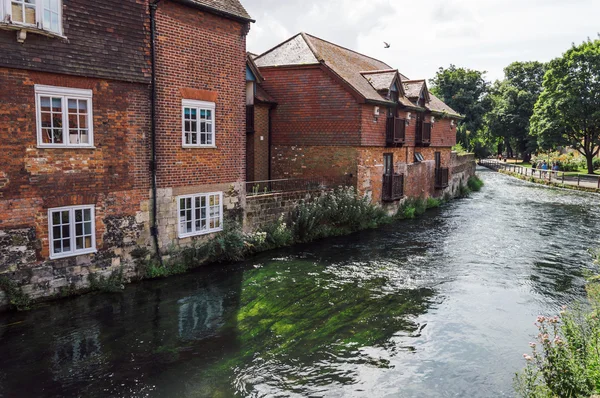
x=155 y=269
x=432 y=203
x=463 y=191
x=459 y=149
x=335 y=213
x=565 y=359
x=17 y=299
x=413 y=207
x=277 y=235
x=227 y=245
x=474 y=183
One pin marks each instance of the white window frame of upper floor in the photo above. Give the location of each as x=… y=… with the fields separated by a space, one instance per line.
x=72 y=230
x=44 y=11
x=65 y=94
x=181 y=220
x=198 y=106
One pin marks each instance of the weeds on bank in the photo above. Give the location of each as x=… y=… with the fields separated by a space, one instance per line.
x=108 y=284
x=333 y=214
x=474 y=183
x=17 y=299
x=565 y=358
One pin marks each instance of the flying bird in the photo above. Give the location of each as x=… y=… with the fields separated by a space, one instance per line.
x=386 y=44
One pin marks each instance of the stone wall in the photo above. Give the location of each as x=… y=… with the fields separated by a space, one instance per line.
x=233 y=205
x=41 y=277
x=462 y=167
x=265 y=209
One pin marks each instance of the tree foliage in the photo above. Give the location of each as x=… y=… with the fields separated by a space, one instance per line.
x=567 y=112
x=513 y=100
x=465 y=91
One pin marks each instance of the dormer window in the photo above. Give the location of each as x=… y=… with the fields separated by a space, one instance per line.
x=40 y=14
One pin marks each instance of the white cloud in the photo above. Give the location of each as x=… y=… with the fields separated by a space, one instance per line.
x=478 y=34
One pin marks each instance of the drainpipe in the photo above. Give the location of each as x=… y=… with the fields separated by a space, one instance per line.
x=153 y=166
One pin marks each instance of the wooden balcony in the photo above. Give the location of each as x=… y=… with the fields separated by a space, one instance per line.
x=249 y=118
x=395 y=131
x=441 y=177
x=393 y=187
x=423 y=135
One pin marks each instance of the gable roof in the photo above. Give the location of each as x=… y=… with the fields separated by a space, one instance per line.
x=229 y=8
x=414 y=88
x=437 y=105
x=380 y=79
x=305 y=49
x=365 y=75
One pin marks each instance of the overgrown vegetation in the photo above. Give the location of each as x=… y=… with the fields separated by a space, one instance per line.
x=17 y=299
x=412 y=208
x=336 y=213
x=460 y=149
x=109 y=284
x=565 y=358
x=474 y=183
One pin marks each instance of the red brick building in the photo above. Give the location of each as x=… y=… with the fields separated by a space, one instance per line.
x=81 y=122
x=200 y=130
x=341 y=113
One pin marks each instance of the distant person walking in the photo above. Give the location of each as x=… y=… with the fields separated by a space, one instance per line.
x=544 y=167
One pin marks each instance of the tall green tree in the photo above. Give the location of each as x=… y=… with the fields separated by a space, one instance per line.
x=567 y=112
x=513 y=100
x=465 y=91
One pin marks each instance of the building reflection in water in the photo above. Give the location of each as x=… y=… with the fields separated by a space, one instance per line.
x=201 y=315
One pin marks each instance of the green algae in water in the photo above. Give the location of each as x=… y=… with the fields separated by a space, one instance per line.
x=295 y=315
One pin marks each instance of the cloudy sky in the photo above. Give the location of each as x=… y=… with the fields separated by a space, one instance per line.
x=426 y=34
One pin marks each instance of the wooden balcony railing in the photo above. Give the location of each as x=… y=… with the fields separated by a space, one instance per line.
x=441 y=177
x=395 y=131
x=393 y=187
x=423 y=136
x=249 y=118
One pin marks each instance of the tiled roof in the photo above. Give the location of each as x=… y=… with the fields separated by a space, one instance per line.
x=380 y=80
x=294 y=51
x=262 y=96
x=229 y=7
x=437 y=105
x=413 y=88
x=364 y=74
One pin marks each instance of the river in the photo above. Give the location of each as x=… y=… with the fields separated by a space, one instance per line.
x=440 y=306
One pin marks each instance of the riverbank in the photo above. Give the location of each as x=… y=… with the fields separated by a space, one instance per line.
x=550 y=178
x=335 y=213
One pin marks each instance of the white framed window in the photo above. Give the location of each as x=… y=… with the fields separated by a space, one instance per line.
x=200 y=214
x=41 y=14
x=198 y=123
x=64 y=117
x=71 y=231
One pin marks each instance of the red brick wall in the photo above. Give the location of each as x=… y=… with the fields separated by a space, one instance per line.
x=443 y=134
x=197 y=50
x=313 y=108
x=313 y=161
x=261 y=146
x=373 y=128
x=113 y=176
